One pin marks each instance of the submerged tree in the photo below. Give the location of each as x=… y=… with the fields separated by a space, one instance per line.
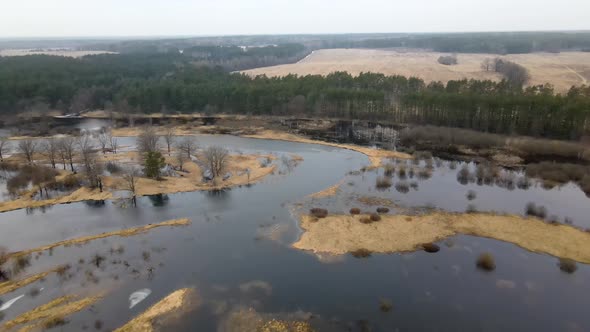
x=50 y=149
x=147 y=141
x=4 y=147
x=67 y=150
x=28 y=147
x=169 y=138
x=130 y=176
x=188 y=145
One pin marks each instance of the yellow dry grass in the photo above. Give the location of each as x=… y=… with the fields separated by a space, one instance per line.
x=12 y=285
x=562 y=70
x=58 y=308
x=82 y=194
x=328 y=192
x=376 y=156
x=177 y=303
x=339 y=234
x=123 y=233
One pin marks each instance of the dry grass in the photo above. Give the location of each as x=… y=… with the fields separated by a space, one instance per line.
x=562 y=70
x=339 y=234
x=176 y=303
x=124 y=232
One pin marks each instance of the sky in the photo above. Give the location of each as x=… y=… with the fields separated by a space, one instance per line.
x=75 y=18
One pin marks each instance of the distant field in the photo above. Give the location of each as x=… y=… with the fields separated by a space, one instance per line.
x=562 y=70
x=68 y=53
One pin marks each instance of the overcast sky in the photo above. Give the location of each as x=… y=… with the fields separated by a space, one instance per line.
x=27 y=18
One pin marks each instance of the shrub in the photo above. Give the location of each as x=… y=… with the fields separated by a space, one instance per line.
x=375 y=217
x=402 y=187
x=70 y=182
x=464 y=176
x=401 y=172
x=430 y=247
x=535 y=149
x=414 y=185
x=389 y=169
x=534 y=210
x=567 y=265
x=382 y=210
x=113 y=167
x=319 y=213
x=383 y=182
x=471 y=195
x=471 y=208
x=424 y=174
x=453 y=165
x=523 y=183
x=385 y=305
x=557 y=172
x=361 y=253
x=448 y=60
x=486 y=262
x=355 y=211
x=54 y=322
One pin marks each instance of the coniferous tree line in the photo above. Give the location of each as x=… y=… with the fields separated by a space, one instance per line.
x=171 y=83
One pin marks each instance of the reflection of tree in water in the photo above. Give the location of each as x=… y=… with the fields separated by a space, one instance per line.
x=43 y=209
x=95 y=204
x=218 y=193
x=159 y=200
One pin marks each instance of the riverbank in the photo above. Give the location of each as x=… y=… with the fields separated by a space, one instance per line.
x=341 y=234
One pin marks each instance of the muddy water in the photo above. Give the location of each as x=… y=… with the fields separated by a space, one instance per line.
x=236 y=254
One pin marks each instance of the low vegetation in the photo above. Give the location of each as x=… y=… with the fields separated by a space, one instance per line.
x=430 y=247
x=383 y=182
x=567 y=265
x=486 y=262
x=319 y=213
x=535 y=210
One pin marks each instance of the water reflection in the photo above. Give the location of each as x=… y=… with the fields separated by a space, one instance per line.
x=159 y=200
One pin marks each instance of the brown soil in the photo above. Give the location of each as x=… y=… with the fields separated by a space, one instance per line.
x=340 y=234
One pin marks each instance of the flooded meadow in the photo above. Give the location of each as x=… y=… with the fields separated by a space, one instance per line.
x=226 y=259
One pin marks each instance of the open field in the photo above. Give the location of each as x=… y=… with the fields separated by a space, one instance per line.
x=60 y=52
x=562 y=70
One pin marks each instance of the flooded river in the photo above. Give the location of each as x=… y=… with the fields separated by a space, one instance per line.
x=237 y=254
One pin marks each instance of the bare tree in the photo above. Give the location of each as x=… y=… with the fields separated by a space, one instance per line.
x=180 y=159
x=147 y=141
x=67 y=150
x=216 y=158
x=93 y=169
x=488 y=64
x=28 y=147
x=130 y=177
x=114 y=143
x=169 y=138
x=4 y=147
x=50 y=149
x=188 y=145
x=104 y=140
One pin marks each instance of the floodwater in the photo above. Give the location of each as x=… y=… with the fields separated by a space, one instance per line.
x=237 y=254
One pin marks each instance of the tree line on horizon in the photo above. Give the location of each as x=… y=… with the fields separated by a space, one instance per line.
x=148 y=83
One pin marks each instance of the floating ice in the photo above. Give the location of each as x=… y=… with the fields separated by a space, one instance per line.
x=138 y=296
x=9 y=303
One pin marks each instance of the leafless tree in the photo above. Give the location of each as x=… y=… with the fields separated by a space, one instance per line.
x=4 y=147
x=114 y=143
x=104 y=139
x=93 y=168
x=169 y=138
x=67 y=151
x=180 y=159
x=488 y=65
x=28 y=147
x=188 y=145
x=50 y=149
x=147 y=141
x=216 y=158
x=130 y=177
